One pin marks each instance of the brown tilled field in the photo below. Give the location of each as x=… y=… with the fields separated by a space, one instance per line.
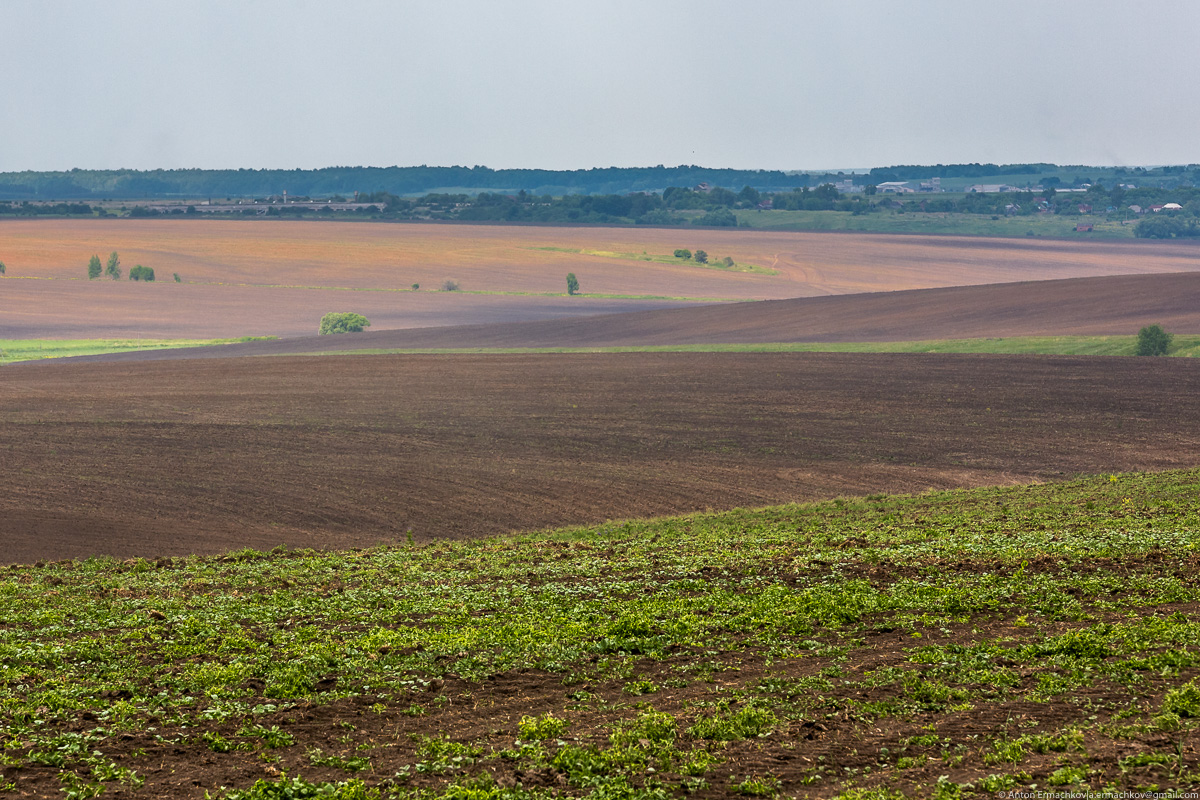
x=1114 y=306
x=177 y=457
x=258 y=277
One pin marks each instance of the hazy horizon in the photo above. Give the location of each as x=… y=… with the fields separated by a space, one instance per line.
x=536 y=84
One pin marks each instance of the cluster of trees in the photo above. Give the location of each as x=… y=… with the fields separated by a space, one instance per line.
x=701 y=257
x=342 y=322
x=113 y=270
x=675 y=206
x=822 y=198
x=28 y=209
x=1168 y=225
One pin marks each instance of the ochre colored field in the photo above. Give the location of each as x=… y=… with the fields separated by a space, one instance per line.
x=176 y=457
x=242 y=265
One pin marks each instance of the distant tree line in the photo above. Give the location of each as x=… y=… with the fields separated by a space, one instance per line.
x=709 y=205
x=124 y=184
x=28 y=209
x=138 y=184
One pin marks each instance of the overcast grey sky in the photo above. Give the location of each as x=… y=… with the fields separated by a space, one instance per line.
x=534 y=83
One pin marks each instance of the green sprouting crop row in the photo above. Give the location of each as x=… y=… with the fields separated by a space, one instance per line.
x=761 y=620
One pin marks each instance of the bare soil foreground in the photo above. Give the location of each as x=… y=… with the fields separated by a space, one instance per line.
x=278 y=277
x=1118 y=305
x=169 y=458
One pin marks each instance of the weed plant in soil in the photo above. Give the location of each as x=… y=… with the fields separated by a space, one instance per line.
x=939 y=645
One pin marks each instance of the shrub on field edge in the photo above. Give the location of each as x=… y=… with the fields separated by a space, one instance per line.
x=572 y=284
x=94 y=268
x=113 y=269
x=449 y=285
x=342 y=322
x=140 y=273
x=1153 y=341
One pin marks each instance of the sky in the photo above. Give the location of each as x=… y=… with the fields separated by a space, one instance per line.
x=749 y=84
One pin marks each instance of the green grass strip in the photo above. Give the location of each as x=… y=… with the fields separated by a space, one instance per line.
x=1182 y=346
x=658 y=258
x=12 y=350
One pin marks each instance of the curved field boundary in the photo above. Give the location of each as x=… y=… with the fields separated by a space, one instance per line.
x=1108 y=306
x=179 y=457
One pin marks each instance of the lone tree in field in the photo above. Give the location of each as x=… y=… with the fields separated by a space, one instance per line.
x=2 y=268
x=140 y=273
x=1153 y=341
x=94 y=268
x=701 y=257
x=449 y=285
x=113 y=270
x=342 y=322
x=572 y=284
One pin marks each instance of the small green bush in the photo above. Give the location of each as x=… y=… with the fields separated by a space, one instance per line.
x=342 y=322
x=536 y=729
x=764 y=786
x=656 y=727
x=2 y=268
x=296 y=788
x=94 y=267
x=572 y=284
x=742 y=724
x=1183 y=700
x=1153 y=341
x=140 y=273
x=701 y=257
x=449 y=285
x=684 y=254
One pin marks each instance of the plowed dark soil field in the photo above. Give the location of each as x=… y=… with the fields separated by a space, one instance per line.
x=168 y=458
x=1116 y=305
